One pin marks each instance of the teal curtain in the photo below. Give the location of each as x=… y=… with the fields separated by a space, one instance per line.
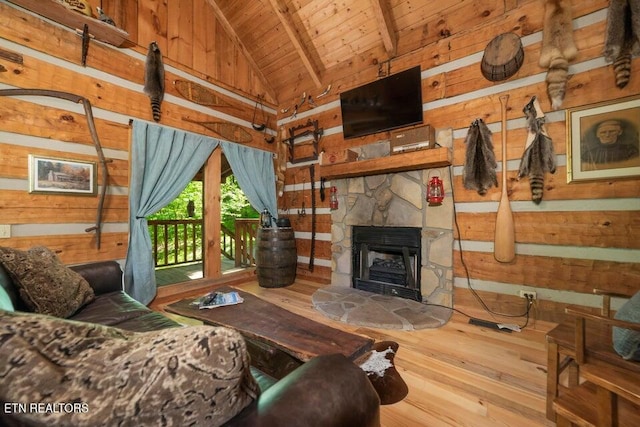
x=163 y=162
x=255 y=174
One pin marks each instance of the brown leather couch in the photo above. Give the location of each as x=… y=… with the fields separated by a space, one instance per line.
x=326 y=391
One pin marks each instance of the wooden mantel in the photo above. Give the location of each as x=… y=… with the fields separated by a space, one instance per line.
x=415 y=160
x=57 y=12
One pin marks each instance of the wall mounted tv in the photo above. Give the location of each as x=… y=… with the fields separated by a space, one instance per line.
x=389 y=103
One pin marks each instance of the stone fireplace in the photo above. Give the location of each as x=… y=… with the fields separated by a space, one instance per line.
x=397 y=200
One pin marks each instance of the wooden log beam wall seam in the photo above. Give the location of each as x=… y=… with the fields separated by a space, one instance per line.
x=238 y=43
x=384 y=19
x=282 y=12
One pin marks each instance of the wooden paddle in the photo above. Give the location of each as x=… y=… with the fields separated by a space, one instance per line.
x=504 y=242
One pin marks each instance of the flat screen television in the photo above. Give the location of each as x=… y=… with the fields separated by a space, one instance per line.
x=389 y=103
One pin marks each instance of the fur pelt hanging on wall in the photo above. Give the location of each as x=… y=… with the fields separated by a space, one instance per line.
x=622 y=38
x=558 y=48
x=154 y=79
x=539 y=156
x=479 y=172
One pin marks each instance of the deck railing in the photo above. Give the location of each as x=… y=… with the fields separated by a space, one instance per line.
x=227 y=242
x=176 y=241
x=245 y=239
x=179 y=241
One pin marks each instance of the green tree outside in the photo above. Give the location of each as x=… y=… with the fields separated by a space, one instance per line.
x=177 y=209
x=234 y=204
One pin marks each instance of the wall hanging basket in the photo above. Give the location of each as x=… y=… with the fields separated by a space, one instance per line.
x=502 y=57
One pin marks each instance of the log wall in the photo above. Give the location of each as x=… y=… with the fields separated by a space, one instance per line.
x=583 y=235
x=36 y=53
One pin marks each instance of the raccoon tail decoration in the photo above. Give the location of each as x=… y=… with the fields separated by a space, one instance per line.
x=622 y=37
x=558 y=48
x=479 y=172
x=154 y=79
x=538 y=156
x=622 y=67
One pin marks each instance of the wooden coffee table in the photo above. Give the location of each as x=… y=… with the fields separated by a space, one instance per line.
x=278 y=340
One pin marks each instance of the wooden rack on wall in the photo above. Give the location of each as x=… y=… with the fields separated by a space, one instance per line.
x=315 y=132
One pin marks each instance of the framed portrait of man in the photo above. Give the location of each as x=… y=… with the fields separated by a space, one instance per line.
x=603 y=140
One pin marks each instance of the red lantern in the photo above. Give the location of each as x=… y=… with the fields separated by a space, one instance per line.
x=333 y=198
x=435 y=192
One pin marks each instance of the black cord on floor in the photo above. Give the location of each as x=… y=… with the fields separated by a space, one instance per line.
x=526 y=315
x=530 y=302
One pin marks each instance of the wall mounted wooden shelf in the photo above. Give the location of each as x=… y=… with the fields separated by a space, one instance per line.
x=415 y=160
x=57 y=12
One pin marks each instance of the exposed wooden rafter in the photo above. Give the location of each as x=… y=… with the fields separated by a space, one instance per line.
x=282 y=11
x=385 y=21
x=222 y=19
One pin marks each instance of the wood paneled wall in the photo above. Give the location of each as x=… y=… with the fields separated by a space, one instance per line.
x=583 y=235
x=188 y=34
x=50 y=58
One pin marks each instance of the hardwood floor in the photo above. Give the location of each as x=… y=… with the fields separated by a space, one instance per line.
x=186 y=272
x=458 y=375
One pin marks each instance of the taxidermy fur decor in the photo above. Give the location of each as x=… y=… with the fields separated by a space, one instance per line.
x=538 y=156
x=622 y=38
x=154 y=79
x=81 y=6
x=558 y=48
x=479 y=172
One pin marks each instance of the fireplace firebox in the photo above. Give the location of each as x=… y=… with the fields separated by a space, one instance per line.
x=387 y=260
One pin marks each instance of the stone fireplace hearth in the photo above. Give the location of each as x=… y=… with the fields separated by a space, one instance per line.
x=397 y=200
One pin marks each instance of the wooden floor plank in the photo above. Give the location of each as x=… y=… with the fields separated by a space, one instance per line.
x=458 y=375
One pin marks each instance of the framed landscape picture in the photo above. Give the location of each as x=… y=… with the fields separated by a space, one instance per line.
x=603 y=140
x=62 y=176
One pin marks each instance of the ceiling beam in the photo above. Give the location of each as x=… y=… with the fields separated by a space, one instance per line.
x=282 y=11
x=382 y=12
x=222 y=19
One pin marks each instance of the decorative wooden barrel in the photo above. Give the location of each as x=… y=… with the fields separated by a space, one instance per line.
x=276 y=258
x=502 y=57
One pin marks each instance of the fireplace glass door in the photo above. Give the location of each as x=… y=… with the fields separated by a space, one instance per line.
x=387 y=260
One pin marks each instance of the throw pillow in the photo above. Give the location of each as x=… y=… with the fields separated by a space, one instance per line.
x=45 y=285
x=5 y=300
x=98 y=375
x=626 y=342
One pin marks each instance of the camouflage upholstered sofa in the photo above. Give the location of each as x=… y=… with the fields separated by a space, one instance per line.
x=106 y=359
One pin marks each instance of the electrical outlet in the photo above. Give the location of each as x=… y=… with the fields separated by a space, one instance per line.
x=528 y=294
x=5 y=231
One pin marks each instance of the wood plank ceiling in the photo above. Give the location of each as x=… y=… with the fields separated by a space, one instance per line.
x=301 y=45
